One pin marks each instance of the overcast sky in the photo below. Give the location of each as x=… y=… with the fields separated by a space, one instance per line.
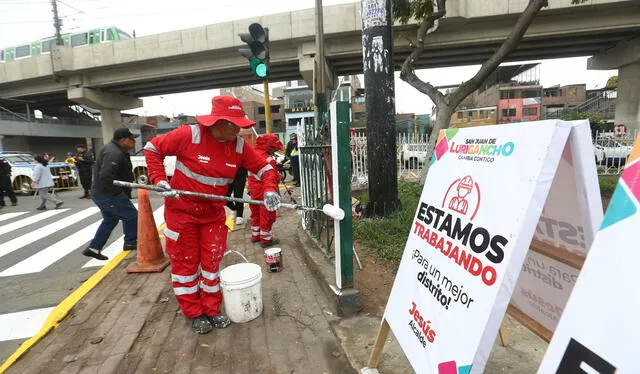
x=27 y=20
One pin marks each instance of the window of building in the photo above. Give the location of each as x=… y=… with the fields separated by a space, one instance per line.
x=275 y=108
x=261 y=110
x=529 y=111
x=277 y=124
x=509 y=112
x=358 y=116
x=481 y=113
x=526 y=94
x=460 y=115
x=23 y=51
x=46 y=45
x=262 y=124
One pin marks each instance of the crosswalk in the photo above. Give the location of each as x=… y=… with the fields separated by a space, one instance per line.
x=46 y=245
x=49 y=254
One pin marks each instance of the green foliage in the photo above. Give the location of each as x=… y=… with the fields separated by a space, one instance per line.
x=387 y=237
x=608 y=184
x=597 y=124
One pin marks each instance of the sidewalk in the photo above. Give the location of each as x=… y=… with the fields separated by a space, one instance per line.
x=130 y=323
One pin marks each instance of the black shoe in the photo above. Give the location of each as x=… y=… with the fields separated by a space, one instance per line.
x=220 y=321
x=95 y=253
x=130 y=247
x=269 y=244
x=201 y=325
x=58 y=205
x=40 y=207
x=14 y=204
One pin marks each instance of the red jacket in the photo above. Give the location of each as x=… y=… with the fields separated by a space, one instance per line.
x=256 y=182
x=203 y=164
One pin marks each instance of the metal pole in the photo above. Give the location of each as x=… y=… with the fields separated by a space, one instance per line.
x=267 y=107
x=56 y=22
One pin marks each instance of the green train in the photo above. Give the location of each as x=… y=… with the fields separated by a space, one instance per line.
x=43 y=46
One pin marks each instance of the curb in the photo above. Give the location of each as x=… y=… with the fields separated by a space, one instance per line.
x=62 y=310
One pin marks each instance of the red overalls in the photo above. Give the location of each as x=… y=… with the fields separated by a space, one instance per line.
x=196 y=234
x=261 y=219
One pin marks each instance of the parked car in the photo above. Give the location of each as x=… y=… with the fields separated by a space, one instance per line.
x=413 y=155
x=610 y=152
x=140 y=170
x=22 y=166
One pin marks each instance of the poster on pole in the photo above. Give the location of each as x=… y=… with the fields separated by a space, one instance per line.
x=565 y=231
x=374 y=13
x=599 y=329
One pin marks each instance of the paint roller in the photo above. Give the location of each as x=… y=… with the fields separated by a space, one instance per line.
x=328 y=209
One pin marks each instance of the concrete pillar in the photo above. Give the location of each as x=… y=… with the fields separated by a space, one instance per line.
x=111 y=120
x=628 y=99
x=625 y=57
x=110 y=105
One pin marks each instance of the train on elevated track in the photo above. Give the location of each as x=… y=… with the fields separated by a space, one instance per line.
x=76 y=39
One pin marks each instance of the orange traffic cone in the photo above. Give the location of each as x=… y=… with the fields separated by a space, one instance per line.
x=150 y=257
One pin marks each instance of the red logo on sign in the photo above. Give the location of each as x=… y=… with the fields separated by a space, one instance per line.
x=464 y=198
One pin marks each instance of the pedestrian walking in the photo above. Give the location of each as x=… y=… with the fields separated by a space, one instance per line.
x=262 y=220
x=6 y=188
x=208 y=156
x=42 y=181
x=114 y=163
x=84 y=163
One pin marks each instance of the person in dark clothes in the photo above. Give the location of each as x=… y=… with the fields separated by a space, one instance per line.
x=237 y=188
x=5 y=183
x=114 y=163
x=293 y=154
x=84 y=163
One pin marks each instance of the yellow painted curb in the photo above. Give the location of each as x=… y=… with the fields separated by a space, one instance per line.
x=61 y=311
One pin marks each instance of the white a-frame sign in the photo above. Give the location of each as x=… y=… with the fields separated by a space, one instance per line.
x=479 y=211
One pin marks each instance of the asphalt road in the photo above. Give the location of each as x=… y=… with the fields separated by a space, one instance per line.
x=41 y=261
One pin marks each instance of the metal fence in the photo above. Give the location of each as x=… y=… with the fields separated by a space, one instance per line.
x=411 y=150
x=314 y=144
x=64 y=178
x=611 y=150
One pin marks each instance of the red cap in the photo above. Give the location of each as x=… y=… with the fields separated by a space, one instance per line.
x=269 y=140
x=227 y=108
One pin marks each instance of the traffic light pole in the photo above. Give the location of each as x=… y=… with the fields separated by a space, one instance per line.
x=267 y=107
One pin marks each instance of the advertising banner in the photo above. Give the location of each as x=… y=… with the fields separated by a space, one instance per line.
x=599 y=329
x=569 y=220
x=475 y=220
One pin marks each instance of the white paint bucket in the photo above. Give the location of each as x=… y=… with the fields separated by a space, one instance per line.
x=242 y=291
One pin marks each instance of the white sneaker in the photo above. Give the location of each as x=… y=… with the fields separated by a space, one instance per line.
x=239 y=221
x=233 y=214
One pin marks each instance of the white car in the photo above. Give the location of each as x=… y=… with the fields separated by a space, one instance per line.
x=413 y=155
x=140 y=170
x=22 y=166
x=610 y=152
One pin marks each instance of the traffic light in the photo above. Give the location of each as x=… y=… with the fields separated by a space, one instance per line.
x=257 y=49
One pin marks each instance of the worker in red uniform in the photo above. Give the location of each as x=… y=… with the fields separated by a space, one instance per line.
x=262 y=219
x=207 y=157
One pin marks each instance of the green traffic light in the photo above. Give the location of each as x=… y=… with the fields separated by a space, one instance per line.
x=259 y=68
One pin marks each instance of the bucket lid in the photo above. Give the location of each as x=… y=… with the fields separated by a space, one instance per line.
x=272 y=251
x=240 y=273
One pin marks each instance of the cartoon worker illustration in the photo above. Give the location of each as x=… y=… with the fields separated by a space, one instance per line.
x=459 y=203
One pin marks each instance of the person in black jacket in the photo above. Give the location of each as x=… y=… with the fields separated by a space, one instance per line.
x=114 y=163
x=84 y=163
x=5 y=183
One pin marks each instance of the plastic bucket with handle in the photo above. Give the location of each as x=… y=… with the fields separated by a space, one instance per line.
x=242 y=291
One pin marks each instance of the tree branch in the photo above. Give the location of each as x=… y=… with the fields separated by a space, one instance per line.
x=408 y=73
x=508 y=46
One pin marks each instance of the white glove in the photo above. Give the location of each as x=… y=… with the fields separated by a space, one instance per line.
x=169 y=192
x=271 y=201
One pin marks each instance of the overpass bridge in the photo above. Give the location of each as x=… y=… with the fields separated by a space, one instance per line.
x=112 y=77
